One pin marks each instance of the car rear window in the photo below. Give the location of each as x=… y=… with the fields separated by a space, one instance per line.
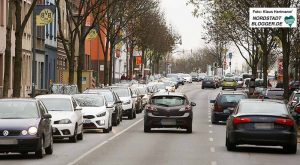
x=231 y=98
x=275 y=93
x=168 y=101
x=262 y=108
x=208 y=78
x=89 y=100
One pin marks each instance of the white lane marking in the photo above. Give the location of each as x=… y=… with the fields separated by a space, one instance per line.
x=209 y=117
x=213 y=163
x=101 y=144
x=211 y=139
x=209 y=125
x=212 y=149
x=210 y=131
x=209 y=120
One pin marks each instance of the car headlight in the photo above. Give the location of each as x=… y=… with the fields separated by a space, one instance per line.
x=127 y=102
x=101 y=114
x=24 y=132
x=32 y=131
x=64 y=121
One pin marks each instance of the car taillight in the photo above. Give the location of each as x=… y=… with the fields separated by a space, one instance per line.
x=218 y=108
x=151 y=108
x=297 y=109
x=239 y=120
x=187 y=108
x=283 y=121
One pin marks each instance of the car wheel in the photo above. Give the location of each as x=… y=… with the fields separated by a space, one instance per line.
x=202 y=87
x=40 y=152
x=290 y=149
x=80 y=136
x=229 y=145
x=134 y=114
x=213 y=120
x=189 y=129
x=49 y=149
x=147 y=128
x=73 y=138
x=115 y=121
x=222 y=88
x=235 y=89
x=106 y=130
x=130 y=115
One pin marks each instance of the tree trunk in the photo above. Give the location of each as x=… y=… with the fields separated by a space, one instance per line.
x=131 y=59
x=106 y=71
x=18 y=52
x=8 y=52
x=71 y=68
x=80 y=63
x=111 y=56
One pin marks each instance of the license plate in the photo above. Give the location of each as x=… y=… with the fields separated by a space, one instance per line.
x=86 y=121
x=168 y=122
x=207 y=82
x=265 y=126
x=8 y=141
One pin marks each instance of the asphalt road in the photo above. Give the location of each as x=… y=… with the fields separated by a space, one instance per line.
x=129 y=145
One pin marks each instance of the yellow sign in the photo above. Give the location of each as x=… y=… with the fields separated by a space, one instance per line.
x=92 y=34
x=45 y=17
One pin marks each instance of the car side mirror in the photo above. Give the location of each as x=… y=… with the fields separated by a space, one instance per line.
x=193 y=104
x=212 y=101
x=47 y=116
x=78 y=108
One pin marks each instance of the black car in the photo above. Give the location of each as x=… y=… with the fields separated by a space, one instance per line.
x=293 y=85
x=209 y=82
x=261 y=122
x=169 y=110
x=224 y=105
x=113 y=101
x=25 y=126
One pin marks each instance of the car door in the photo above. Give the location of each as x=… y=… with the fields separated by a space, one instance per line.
x=45 y=123
x=79 y=116
x=118 y=104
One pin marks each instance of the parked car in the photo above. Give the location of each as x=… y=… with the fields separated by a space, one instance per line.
x=175 y=78
x=239 y=81
x=293 y=85
x=25 y=126
x=128 y=99
x=209 y=82
x=195 y=78
x=272 y=93
x=229 y=83
x=224 y=105
x=66 y=114
x=261 y=122
x=294 y=106
x=95 y=113
x=167 y=110
x=113 y=103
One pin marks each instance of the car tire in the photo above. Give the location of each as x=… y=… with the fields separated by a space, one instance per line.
x=147 y=128
x=235 y=89
x=40 y=152
x=290 y=149
x=202 y=87
x=80 y=136
x=134 y=114
x=106 y=130
x=213 y=120
x=189 y=129
x=115 y=121
x=130 y=115
x=229 y=145
x=49 y=149
x=73 y=139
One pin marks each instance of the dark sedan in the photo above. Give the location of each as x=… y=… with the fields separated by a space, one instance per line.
x=169 y=110
x=25 y=126
x=209 y=82
x=261 y=122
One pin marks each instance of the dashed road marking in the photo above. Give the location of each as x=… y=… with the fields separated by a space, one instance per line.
x=209 y=120
x=211 y=139
x=212 y=149
x=209 y=125
x=210 y=131
x=213 y=163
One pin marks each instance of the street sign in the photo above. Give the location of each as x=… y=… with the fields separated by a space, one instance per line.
x=230 y=55
x=138 y=60
x=92 y=34
x=45 y=17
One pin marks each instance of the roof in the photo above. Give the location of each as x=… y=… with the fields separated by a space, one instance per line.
x=18 y=99
x=232 y=92
x=169 y=94
x=261 y=100
x=55 y=96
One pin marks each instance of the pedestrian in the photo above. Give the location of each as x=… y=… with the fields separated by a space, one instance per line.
x=123 y=77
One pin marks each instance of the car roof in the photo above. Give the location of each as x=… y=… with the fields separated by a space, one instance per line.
x=55 y=96
x=261 y=101
x=275 y=89
x=169 y=94
x=231 y=93
x=18 y=99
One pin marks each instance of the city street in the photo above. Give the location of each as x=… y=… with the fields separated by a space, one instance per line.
x=129 y=145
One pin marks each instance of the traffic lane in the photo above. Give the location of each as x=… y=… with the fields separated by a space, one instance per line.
x=64 y=151
x=249 y=155
x=162 y=146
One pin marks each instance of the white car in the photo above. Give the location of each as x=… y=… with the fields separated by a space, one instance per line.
x=95 y=113
x=67 y=119
x=128 y=99
x=187 y=78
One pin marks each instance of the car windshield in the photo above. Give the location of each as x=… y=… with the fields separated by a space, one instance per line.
x=168 y=101
x=89 y=100
x=231 y=98
x=18 y=110
x=57 y=104
x=227 y=79
x=262 y=108
x=122 y=92
x=208 y=78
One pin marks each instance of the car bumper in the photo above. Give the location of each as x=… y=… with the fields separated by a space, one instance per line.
x=96 y=123
x=63 y=130
x=229 y=87
x=168 y=122
x=263 y=137
x=209 y=85
x=219 y=116
x=20 y=144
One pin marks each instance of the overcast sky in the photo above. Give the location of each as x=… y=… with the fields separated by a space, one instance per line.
x=179 y=15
